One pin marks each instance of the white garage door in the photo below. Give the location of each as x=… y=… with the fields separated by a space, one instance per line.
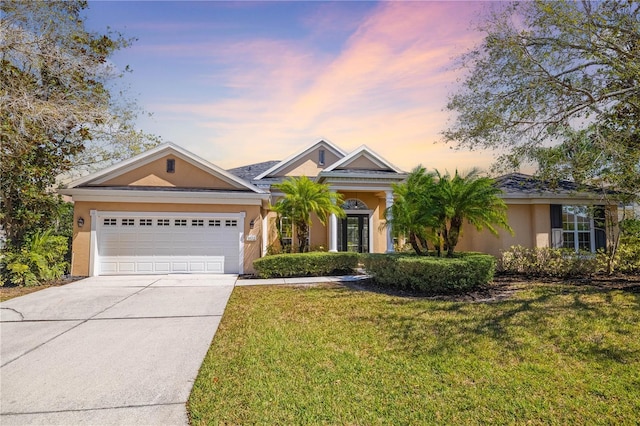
x=160 y=243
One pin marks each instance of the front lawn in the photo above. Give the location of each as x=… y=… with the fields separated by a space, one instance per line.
x=548 y=354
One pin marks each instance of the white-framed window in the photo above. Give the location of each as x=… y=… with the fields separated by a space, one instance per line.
x=286 y=229
x=577 y=228
x=231 y=222
x=128 y=222
x=197 y=222
x=163 y=222
x=110 y=222
x=180 y=222
x=214 y=222
x=145 y=222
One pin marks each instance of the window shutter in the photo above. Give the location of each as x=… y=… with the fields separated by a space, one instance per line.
x=556 y=215
x=600 y=231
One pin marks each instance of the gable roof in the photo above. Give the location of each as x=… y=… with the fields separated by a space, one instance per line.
x=155 y=154
x=366 y=152
x=250 y=171
x=291 y=159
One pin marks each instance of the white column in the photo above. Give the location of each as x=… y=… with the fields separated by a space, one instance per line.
x=333 y=233
x=389 y=202
x=265 y=234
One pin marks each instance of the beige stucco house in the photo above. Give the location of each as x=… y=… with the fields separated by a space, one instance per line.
x=169 y=211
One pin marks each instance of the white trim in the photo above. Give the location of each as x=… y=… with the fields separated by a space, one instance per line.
x=340 y=153
x=265 y=234
x=243 y=216
x=94 y=266
x=164 y=197
x=370 y=216
x=156 y=214
x=159 y=152
x=333 y=233
x=367 y=152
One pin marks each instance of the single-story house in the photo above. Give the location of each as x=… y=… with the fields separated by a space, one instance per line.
x=169 y=211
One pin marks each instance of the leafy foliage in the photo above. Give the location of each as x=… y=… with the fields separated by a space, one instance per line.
x=556 y=84
x=547 y=262
x=303 y=197
x=433 y=207
x=306 y=264
x=431 y=275
x=41 y=259
x=58 y=114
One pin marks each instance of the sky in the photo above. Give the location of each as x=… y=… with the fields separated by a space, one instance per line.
x=238 y=83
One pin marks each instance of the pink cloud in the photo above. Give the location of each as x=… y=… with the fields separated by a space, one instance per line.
x=386 y=88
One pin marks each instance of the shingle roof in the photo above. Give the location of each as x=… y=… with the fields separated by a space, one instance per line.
x=520 y=183
x=252 y=170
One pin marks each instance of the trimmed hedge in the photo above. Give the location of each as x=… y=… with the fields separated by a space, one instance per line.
x=431 y=275
x=547 y=262
x=306 y=264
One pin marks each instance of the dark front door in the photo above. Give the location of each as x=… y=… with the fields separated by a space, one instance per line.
x=353 y=233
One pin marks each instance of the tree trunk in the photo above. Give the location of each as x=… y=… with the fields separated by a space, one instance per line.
x=453 y=234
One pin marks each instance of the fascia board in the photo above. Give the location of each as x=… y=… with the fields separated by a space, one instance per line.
x=367 y=152
x=299 y=154
x=163 y=197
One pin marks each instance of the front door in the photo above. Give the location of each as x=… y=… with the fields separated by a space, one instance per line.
x=353 y=233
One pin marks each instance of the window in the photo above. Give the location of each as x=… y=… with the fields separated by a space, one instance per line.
x=110 y=222
x=171 y=165
x=163 y=222
x=197 y=222
x=577 y=228
x=180 y=222
x=214 y=222
x=321 y=157
x=128 y=222
x=146 y=222
x=231 y=222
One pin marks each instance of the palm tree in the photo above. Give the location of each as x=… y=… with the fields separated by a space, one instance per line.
x=413 y=213
x=302 y=197
x=473 y=198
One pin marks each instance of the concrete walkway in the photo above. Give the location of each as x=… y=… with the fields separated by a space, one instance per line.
x=108 y=350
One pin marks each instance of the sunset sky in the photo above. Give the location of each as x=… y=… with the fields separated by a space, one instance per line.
x=243 y=82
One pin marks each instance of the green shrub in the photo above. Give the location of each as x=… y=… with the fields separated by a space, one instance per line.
x=41 y=259
x=306 y=264
x=431 y=275
x=547 y=262
x=626 y=260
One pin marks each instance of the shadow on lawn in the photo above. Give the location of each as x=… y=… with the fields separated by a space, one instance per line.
x=578 y=321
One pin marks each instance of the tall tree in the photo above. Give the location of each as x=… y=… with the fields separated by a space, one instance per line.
x=472 y=198
x=303 y=197
x=56 y=107
x=556 y=84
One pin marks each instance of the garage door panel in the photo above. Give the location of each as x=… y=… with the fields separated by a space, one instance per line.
x=140 y=244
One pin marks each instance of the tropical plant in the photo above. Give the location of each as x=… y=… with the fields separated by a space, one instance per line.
x=413 y=213
x=433 y=207
x=40 y=259
x=473 y=198
x=302 y=198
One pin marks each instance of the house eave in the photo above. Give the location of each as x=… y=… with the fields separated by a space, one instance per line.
x=164 y=197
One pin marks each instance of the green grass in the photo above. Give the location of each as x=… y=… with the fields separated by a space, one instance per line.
x=552 y=354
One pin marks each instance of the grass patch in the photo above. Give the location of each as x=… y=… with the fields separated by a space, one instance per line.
x=551 y=354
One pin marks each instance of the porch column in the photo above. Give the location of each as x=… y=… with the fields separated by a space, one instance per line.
x=265 y=234
x=333 y=233
x=389 y=202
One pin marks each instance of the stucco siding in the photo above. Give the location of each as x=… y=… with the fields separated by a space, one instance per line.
x=361 y=163
x=155 y=173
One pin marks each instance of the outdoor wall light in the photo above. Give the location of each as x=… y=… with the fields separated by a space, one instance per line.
x=80 y=222
x=252 y=224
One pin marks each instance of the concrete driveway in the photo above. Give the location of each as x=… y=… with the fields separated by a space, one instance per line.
x=108 y=350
